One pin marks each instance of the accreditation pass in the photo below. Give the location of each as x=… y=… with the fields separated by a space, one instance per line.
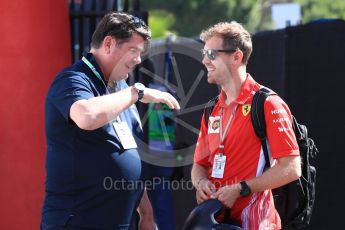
x=218 y=166
x=124 y=134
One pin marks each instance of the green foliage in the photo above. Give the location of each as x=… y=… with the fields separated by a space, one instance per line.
x=161 y=21
x=317 y=9
x=191 y=16
x=188 y=17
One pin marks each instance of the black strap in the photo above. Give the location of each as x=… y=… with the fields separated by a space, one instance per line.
x=227 y=218
x=258 y=118
x=227 y=215
x=209 y=107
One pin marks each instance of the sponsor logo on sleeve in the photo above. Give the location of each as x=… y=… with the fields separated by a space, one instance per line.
x=280 y=120
x=278 y=111
x=283 y=129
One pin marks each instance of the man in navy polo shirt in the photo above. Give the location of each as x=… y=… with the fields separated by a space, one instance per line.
x=93 y=166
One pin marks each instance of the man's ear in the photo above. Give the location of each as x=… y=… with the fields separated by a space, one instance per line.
x=238 y=56
x=108 y=41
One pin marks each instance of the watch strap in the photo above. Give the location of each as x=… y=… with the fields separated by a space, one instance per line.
x=140 y=89
x=245 y=189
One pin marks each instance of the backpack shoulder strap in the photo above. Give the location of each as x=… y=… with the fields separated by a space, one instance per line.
x=209 y=107
x=258 y=117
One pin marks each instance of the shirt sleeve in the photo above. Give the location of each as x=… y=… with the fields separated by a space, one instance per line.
x=67 y=89
x=202 y=151
x=280 y=134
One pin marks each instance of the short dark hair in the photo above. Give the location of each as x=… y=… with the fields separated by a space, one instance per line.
x=121 y=26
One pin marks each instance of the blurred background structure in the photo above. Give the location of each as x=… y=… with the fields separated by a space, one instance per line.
x=300 y=55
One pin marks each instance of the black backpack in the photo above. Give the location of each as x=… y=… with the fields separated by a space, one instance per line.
x=294 y=201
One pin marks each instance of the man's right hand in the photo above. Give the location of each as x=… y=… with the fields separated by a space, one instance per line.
x=205 y=190
x=156 y=96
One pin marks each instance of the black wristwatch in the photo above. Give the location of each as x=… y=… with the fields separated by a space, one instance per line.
x=140 y=89
x=245 y=190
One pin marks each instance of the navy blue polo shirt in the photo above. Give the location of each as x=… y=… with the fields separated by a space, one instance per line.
x=91 y=181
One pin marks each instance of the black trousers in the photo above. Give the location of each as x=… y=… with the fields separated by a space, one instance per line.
x=68 y=227
x=56 y=227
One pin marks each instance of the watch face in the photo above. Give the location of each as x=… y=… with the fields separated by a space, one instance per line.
x=139 y=86
x=245 y=192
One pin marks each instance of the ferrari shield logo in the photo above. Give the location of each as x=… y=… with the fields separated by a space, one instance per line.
x=246 y=109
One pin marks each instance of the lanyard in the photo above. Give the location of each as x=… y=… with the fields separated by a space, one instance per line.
x=222 y=135
x=88 y=63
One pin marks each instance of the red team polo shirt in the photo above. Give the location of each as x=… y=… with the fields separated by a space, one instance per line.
x=244 y=155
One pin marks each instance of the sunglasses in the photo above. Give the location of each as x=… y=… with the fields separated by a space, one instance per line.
x=137 y=22
x=212 y=54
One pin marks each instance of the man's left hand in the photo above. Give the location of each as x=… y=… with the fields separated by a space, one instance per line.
x=228 y=194
x=156 y=96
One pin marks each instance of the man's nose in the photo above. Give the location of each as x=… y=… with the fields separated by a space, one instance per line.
x=205 y=60
x=137 y=60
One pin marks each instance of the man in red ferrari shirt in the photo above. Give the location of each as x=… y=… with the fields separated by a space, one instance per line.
x=229 y=160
